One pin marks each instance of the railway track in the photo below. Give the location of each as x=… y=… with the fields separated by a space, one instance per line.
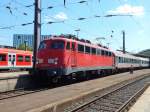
x=20 y=92
x=8 y=71
x=117 y=100
x=30 y=90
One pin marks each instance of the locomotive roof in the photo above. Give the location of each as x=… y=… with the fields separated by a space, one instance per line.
x=126 y=55
x=80 y=42
x=6 y=50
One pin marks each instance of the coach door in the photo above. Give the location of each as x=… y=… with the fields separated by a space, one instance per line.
x=73 y=55
x=11 y=59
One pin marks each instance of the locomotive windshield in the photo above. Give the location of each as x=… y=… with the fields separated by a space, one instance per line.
x=42 y=45
x=57 y=45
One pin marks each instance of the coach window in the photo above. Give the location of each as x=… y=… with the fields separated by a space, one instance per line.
x=27 y=59
x=2 y=57
x=119 y=59
x=87 y=49
x=80 y=48
x=93 y=50
x=20 y=58
x=57 y=45
x=68 y=46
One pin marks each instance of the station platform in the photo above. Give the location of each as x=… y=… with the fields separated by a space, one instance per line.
x=12 y=74
x=56 y=99
x=143 y=103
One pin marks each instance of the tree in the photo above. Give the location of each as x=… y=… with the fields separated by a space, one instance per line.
x=22 y=47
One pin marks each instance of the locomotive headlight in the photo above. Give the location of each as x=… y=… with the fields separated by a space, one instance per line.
x=56 y=61
x=53 y=61
x=39 y=61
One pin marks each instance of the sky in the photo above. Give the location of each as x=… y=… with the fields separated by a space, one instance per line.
x=90 y=16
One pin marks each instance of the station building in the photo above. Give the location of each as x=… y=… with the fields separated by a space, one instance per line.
x=28 y=38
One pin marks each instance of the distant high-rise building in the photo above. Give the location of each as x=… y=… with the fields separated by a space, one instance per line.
x=28 y=38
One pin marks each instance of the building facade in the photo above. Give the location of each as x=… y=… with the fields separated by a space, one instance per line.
x=19 y=39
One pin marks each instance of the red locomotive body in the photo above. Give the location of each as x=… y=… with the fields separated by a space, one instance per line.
x=13 y=59
x=61 y=56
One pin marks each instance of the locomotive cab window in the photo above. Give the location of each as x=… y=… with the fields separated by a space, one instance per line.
x=42 y=45
x=2 y=57
x=57 y=45
x=27 y=59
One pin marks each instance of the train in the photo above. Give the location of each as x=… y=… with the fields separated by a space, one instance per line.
x=13 y=59
x=62 y=56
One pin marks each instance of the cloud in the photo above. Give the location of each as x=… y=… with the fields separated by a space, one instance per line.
x=141 y=32
x=61 y=16
x=128 y=9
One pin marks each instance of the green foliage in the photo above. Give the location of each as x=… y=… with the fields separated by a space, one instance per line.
x=22 y=47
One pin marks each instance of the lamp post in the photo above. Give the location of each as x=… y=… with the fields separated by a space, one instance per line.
x=37 y=30
x=25 y=43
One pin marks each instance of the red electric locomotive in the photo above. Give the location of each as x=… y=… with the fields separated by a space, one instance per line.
x=15 y=59
x=61 y=56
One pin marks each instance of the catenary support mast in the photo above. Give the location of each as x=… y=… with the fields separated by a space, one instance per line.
x=37 y=30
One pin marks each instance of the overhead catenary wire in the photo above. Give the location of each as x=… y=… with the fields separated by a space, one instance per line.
x=132 y=17
x=13 y=26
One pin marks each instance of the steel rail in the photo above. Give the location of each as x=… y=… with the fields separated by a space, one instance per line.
x=105 y=96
